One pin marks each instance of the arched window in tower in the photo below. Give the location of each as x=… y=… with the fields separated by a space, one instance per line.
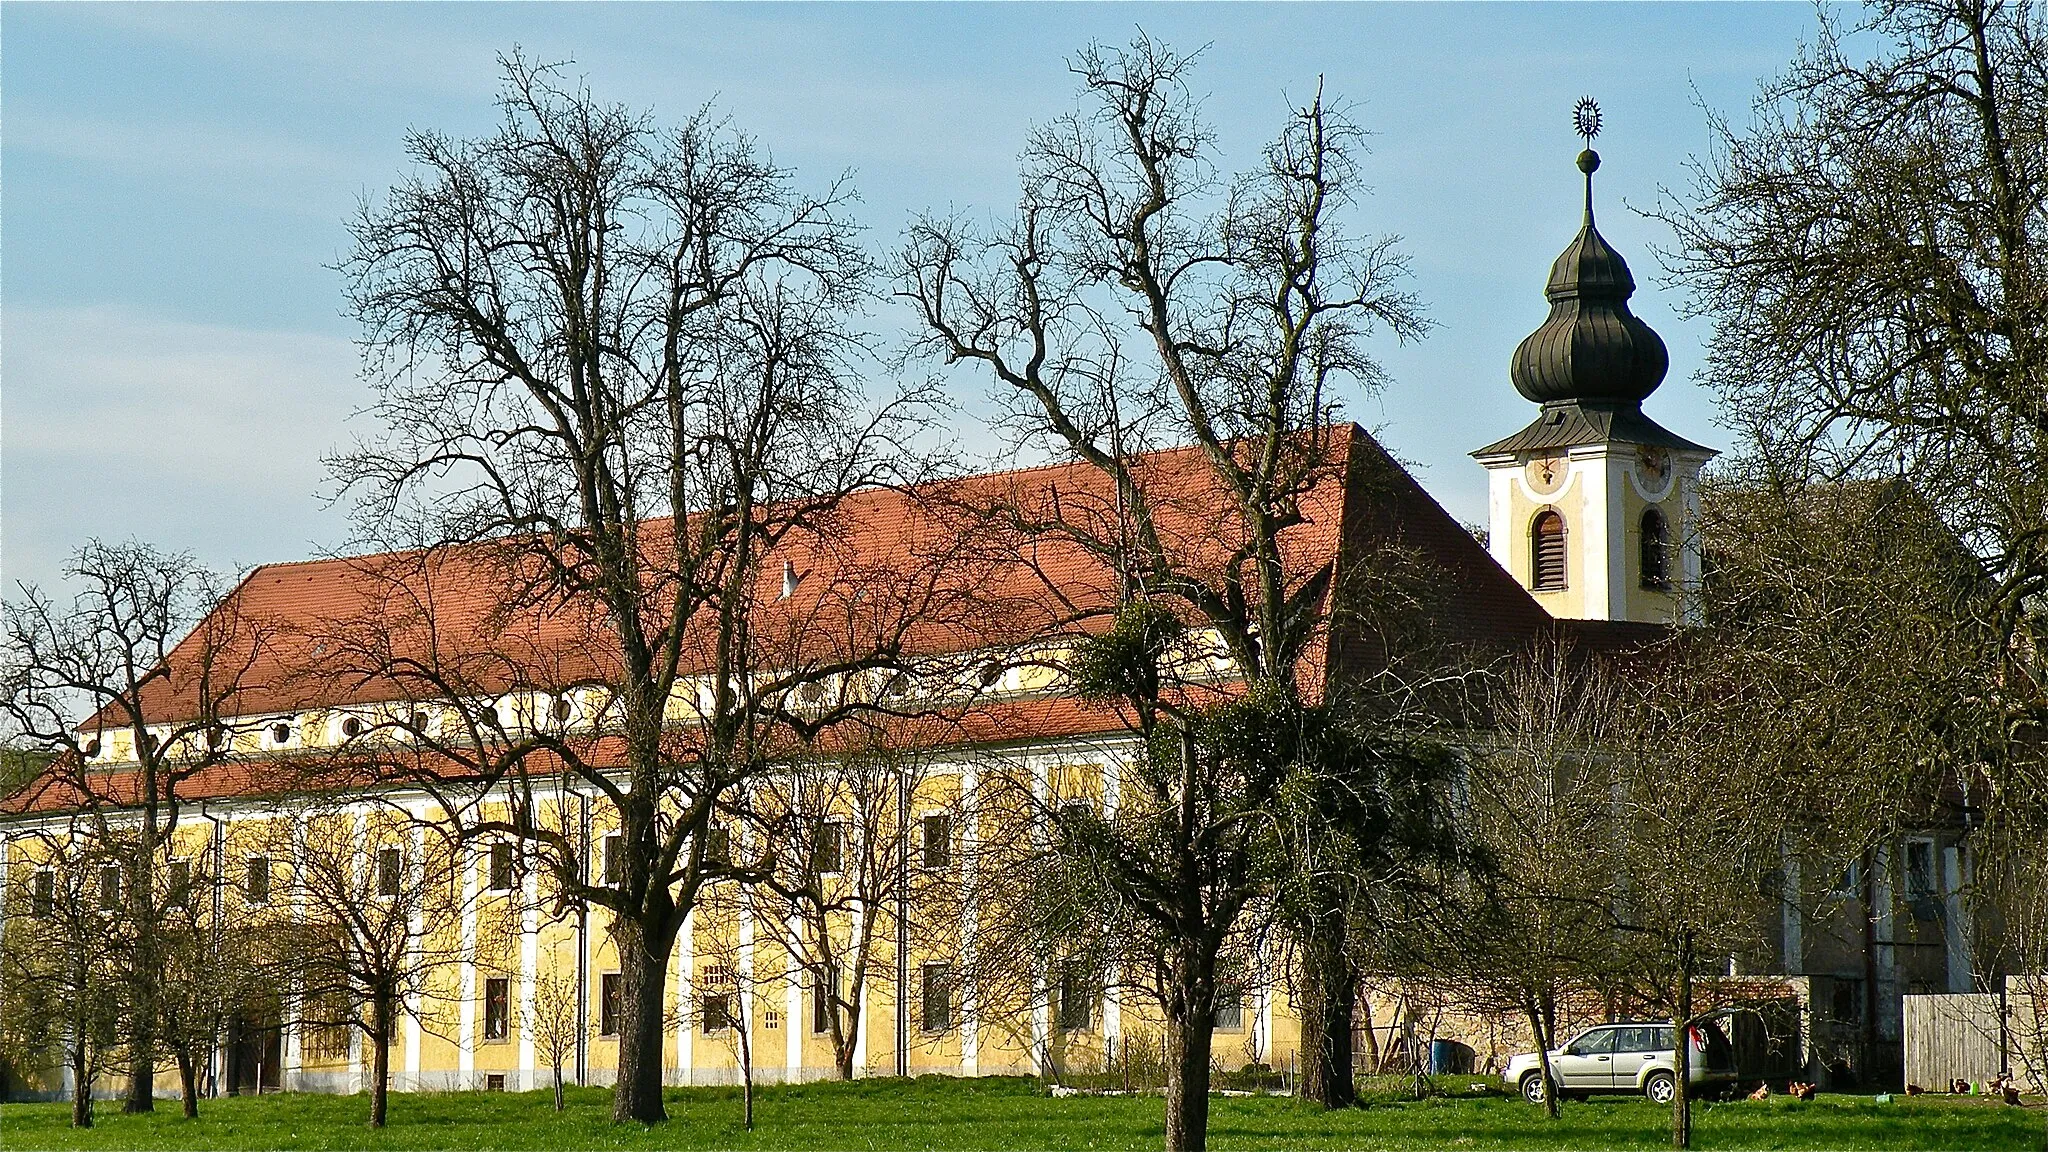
x=1546 y=551
x=1655 y=564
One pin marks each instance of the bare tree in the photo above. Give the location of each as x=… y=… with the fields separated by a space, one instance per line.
x=556 y=1021
x=142 y=672
x=62 y=971
x=362 y=934
x=1137 y=300
x=614 y=364
x=839 y=893
x=212 y=955
x=1536 y=926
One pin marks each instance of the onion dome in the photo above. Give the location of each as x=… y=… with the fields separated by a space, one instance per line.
x=1591 y=350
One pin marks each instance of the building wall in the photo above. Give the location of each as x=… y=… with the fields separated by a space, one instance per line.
x=520 y=936
x=1601 y=491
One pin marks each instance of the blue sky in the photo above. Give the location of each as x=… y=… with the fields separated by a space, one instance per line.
x=174 y=178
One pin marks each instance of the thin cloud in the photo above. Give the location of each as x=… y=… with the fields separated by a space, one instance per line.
x=192 y=436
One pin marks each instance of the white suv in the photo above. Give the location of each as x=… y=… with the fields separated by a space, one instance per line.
x=1636 y=1057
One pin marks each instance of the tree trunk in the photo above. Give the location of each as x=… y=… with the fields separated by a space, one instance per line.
x=1187 y=1084
x=1329 y=985
x=146 y=970
x=188 y=1083
x=380 y=1060
x=142 y=1071
x=81 y=1087
x=558 y=1086
x=746 y=1038
x=1681 y=1031
x=1535 y=1015
x=643 y=967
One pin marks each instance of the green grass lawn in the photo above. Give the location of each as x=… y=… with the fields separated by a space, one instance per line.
x=941 y=1113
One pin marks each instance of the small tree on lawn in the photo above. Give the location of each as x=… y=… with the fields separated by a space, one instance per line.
x=1534 y=924
x=556 y=1022
x=830 y=894
x=128 y=688
x=371 y=900
x=61 y=975
x=212 y=966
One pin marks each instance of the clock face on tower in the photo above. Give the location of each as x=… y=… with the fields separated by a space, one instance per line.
x=1653 y=463
x=1546 y=473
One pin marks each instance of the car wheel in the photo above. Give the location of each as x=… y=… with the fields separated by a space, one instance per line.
x=1532 y=1087
x=1660 y=1087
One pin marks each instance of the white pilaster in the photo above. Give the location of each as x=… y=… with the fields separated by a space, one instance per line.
x=970 y=843
x=1591 y=539
x=1884 y=923
x=416 y=927
x=793 y=1012
x=1794 y=917
x=686 y=979
x=465 y=1028
x=1954 y=880
x=529 y=972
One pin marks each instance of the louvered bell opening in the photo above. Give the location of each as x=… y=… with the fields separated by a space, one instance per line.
x=1547 y=542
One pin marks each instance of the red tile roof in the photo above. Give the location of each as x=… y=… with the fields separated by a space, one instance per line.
x=921 y=564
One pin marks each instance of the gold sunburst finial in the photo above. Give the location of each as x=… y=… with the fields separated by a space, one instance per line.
x=1586 y=118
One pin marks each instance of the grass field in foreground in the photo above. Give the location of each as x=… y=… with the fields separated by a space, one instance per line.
x=937 y=1113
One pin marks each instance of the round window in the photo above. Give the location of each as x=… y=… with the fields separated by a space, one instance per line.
x=280 y=733
x=352 y=727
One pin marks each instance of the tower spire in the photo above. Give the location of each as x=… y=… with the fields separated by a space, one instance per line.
x=1586 y=122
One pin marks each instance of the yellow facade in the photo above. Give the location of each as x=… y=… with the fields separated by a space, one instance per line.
x=522 y=936
x=1601 y=492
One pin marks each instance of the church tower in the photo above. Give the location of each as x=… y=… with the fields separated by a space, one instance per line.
x=1593 y=507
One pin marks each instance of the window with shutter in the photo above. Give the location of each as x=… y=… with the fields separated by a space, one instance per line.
x=1547 y=555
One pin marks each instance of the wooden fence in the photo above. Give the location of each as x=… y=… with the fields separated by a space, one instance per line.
x=1955 y=1037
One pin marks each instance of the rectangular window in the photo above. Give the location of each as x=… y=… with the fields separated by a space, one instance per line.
x=609 y=995
x=497 y=1008
x=45 y=893
x=938 y=998
x=501 y=867
x=717 y=1008
x=110 y=887
x=1072 y=823
x=494 y=1081
x=938 y=841
x=826 y=851
x=1850 y=886
x=614 y=862
x=1229 y=1010
x=390 y=872
x=257 y=885
x=1920 y=869
x=717 y=846
x=178 y=884
x=824 y=990
x=1848 y=1001
x=1077 y=999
